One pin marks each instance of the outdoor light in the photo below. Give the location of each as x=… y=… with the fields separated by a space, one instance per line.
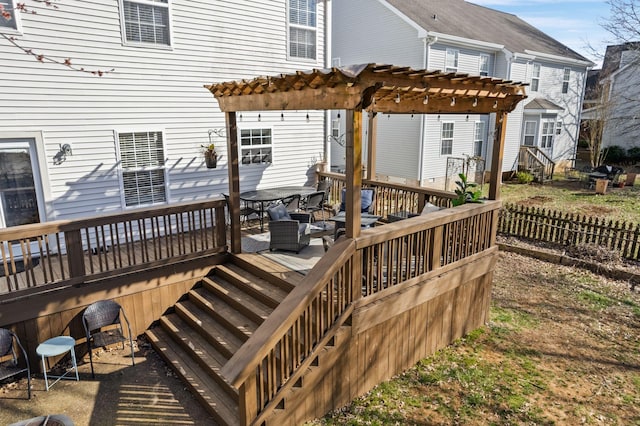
x=495 y=105
x=475 y=102
x=426 y=99
x=398 y=98
x=259 y=117
x=307 y=116
x=453 y=101
x=282 y=116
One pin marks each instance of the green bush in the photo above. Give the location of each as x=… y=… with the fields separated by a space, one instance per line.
x=634 y=154
x=615 y=155
x=524 y=177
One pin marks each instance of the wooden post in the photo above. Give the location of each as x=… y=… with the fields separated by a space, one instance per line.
x=353 y=173
x=234 y=181
x=75 y=254
x=372 y=145
x=496 y=159
x=248 y=404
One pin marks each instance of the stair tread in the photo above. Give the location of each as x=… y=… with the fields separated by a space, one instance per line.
x=208 y=324
x=281 y=272
x=241 y=299
x=253 y=283
x=243 y=326
x=218 y=402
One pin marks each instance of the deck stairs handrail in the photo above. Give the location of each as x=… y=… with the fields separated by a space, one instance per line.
x=282 y=348
x=535 y=160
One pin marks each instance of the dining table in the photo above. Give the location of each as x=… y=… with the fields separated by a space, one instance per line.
x=263 y=198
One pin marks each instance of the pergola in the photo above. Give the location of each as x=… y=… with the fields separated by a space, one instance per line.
x=372 y=88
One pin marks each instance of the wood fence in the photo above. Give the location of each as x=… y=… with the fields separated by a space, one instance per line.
x=570 y=229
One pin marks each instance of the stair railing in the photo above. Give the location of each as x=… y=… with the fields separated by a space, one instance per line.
x=533 y=158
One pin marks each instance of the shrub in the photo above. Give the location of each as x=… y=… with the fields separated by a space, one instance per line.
x=467 y=192
x=524 y=177
x=615 y=155
x=634 y=154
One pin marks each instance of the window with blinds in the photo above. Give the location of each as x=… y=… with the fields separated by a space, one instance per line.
x=146 y=22
x=8 y=17
x=302 y=29
x=143 y=172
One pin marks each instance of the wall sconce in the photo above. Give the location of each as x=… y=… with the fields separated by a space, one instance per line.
x=453 y=101
x=61 y=155
x=425 y=100
x=475 y=102
x=398 y=98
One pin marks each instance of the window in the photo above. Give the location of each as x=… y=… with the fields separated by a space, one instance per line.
x=559 y=127
x=446 y=147
x=530 y=133
x=565 y=80
x=547 y=134
x=535 y=78
x=255 y=146
x=484 y=65
x=302 y=29
x=142 y=162
x=335 y=128
x=478 y=138
x=146 y=22
x=8 y=18
x=451 y=64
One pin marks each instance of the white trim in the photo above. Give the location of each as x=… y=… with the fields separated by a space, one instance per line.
x=484 y=55
x=559 y=59
x=453 y=132
x=465 y=42
x=256 y=126
x=289 y=25
x=123 y=26
x=456 y=59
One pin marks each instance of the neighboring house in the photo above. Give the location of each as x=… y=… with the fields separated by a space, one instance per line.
x=73 y=144
x=619 y=82
x=457 y=36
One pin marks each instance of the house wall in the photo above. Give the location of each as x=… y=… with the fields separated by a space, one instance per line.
x=623 y=127
x=149 y=89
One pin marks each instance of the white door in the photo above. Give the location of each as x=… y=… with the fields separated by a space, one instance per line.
x=548 y=129
x=20 y=200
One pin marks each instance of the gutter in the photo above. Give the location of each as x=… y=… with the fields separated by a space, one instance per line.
x=327 y=65
x=560 y=59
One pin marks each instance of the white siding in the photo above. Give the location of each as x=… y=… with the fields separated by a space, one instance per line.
x=397 y=153
x=150 y=89
x=623 y=128
x=468 y=59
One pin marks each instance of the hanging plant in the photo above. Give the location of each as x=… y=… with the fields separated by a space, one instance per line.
x=210 y=155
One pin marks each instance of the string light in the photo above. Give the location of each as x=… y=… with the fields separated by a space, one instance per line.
x=282 y=116
x=398 y=98
x=495 y=105
x=259 y=117
x=425 y=100
x=307 y=116
x=475 y=102
x=453 y=101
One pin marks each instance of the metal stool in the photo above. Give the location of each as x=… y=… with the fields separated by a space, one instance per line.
x=53 y=347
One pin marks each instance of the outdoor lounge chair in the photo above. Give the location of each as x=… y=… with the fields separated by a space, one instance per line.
x=103 y=327
x=11 y=348
x=289 y=231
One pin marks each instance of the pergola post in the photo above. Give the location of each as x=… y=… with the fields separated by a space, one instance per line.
x=353 y=172
x=372 y=130
x=234 y=181
x=497 y=155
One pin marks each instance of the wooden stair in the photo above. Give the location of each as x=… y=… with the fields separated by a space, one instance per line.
x=210 y=323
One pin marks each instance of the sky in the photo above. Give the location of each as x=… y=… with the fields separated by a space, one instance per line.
x=574 y=23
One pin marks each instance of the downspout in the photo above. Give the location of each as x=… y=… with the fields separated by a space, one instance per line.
x=579 y=123
x=327 y=64
x=428 y=41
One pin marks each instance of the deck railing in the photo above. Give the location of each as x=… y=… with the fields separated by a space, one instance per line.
x=390 y=197
x=401 y=253
x=536 y=161
x=61 y=253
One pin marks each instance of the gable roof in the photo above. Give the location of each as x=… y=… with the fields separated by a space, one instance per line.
x=542 y=104
x=467 y=20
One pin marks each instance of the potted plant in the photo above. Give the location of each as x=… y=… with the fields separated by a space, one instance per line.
x=210 y=155
x=467 y=192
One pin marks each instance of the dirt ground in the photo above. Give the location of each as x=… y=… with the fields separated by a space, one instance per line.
x=121 y=394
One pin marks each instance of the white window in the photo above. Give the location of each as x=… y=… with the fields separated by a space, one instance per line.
x=8 y=16
x=446 y=140
x=559 y=127
x=535 y=78
x=452 y=60
x=546 y=138
x=484 y=65
x=143 y=171
x=146 y=22
x=566 y=76
x=478 y=138
x=530 y=133
x=302 y=29
x=256 y=146
x=335 y=128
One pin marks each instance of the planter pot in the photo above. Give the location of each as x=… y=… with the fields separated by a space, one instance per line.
x=211 y=161
x=601 y=186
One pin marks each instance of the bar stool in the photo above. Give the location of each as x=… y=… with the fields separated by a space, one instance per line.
x=54 y=347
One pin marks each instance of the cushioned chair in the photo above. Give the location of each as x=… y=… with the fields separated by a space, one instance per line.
x=315 y=203
x=366 y=202
x=103 y=327
x=11 y=349
x=289 y=231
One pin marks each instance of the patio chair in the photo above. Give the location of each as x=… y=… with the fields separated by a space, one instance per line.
x=315 y=203
x=11 y=350
x=288 y=231
x=103 y=327
x=367 y=197
x=292 y=203
x=246 y=210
